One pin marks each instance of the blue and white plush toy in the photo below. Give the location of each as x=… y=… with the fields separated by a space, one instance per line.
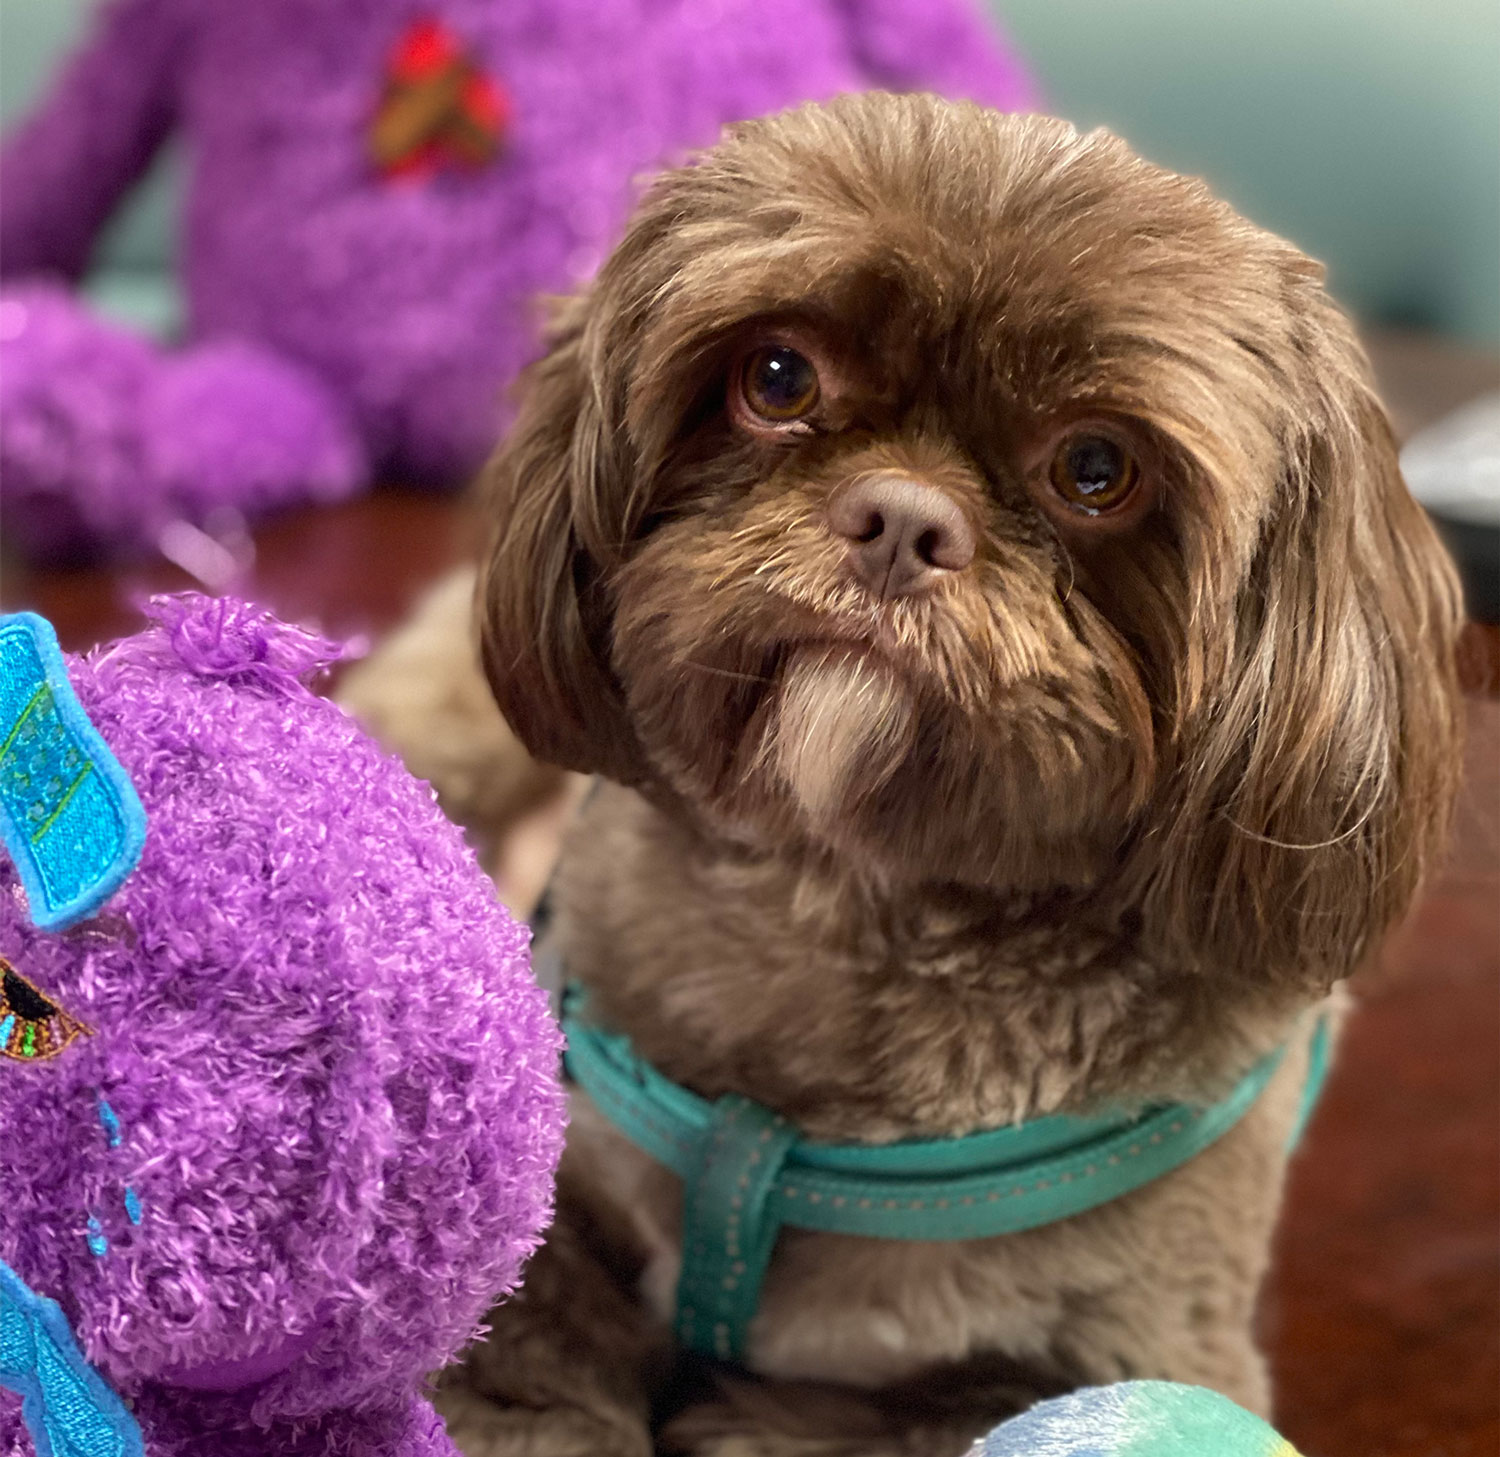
x=1136 y=1419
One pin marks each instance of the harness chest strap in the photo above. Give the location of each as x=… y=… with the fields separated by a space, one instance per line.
x=746 y=1171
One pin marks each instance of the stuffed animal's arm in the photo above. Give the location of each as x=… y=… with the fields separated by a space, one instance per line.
x=105 y=437
x=952 y=47
x=94 y=132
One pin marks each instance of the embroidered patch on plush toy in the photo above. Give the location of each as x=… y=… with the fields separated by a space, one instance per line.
x=109 y=1121
x=439 y=109
x=32 y=1026
x=69 y=816
x=67 y=1407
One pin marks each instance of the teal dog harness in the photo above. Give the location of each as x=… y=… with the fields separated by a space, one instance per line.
x=746 y=1171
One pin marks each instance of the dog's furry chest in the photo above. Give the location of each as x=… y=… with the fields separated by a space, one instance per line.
x=1085 y=1299
x=733 y=977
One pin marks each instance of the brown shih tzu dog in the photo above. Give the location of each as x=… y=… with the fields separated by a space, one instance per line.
x=976 y=561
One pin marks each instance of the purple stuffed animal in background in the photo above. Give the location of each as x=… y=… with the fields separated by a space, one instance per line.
x=279 y=1118
x=378 y=191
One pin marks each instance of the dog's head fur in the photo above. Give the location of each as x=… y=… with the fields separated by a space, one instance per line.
x=1226 y=704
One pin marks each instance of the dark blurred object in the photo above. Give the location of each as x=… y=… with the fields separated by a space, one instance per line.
x=1476 y=548
x=1440 y=396
x=1479 y=675
x=1453 y=468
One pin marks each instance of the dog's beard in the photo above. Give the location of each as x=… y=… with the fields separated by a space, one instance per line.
x=985 y=752
x=844 y=726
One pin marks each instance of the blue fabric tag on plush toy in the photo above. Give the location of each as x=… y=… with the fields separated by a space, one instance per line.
x=69 y=816
x=68 y=1408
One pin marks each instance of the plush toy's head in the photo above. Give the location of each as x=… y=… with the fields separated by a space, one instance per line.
x=284 y=1112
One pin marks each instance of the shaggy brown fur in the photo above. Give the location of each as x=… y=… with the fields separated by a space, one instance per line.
x=1097 y=819
x=424 y=696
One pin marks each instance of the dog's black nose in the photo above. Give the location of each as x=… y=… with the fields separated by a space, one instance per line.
x=902 y=535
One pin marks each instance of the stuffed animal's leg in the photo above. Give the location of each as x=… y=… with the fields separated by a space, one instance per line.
x=105 y=437
x=570 y=1360
x=425 y=1436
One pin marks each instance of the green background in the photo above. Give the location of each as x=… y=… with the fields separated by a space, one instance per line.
x=1367 y=131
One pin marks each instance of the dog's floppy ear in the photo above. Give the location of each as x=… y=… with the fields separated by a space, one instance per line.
x=543 y=617
x=1316 y=784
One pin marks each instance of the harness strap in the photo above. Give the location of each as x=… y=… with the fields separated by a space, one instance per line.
x=746 y=1171
x=729 y=1225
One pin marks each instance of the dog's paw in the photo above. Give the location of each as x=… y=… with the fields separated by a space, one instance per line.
x=484 y=1428
x=772 y=1445
x=804 y=1423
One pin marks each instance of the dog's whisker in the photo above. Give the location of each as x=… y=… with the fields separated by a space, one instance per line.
x=717 y=672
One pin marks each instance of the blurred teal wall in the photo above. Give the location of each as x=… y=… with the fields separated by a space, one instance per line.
x=1367 y=131
x=133 y=280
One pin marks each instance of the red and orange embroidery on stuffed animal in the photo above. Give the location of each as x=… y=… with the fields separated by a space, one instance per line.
x=439 y=109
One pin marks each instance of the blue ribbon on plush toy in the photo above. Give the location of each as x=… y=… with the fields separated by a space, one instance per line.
x=74 y=826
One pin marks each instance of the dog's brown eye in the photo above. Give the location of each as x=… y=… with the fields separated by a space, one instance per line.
x=779 y=384
x=1093 y=473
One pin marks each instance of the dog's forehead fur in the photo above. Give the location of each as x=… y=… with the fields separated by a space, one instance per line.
x=1056 y=257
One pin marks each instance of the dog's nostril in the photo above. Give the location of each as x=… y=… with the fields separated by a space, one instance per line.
x=929 y=544
x=874 y=529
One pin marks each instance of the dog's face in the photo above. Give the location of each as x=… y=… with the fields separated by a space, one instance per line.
x=966 y=497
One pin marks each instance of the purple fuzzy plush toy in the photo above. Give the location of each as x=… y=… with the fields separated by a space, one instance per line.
x=378 y=191
x=279 y=1109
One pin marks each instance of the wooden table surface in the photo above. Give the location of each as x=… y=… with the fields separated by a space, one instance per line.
x=1382 y=1313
